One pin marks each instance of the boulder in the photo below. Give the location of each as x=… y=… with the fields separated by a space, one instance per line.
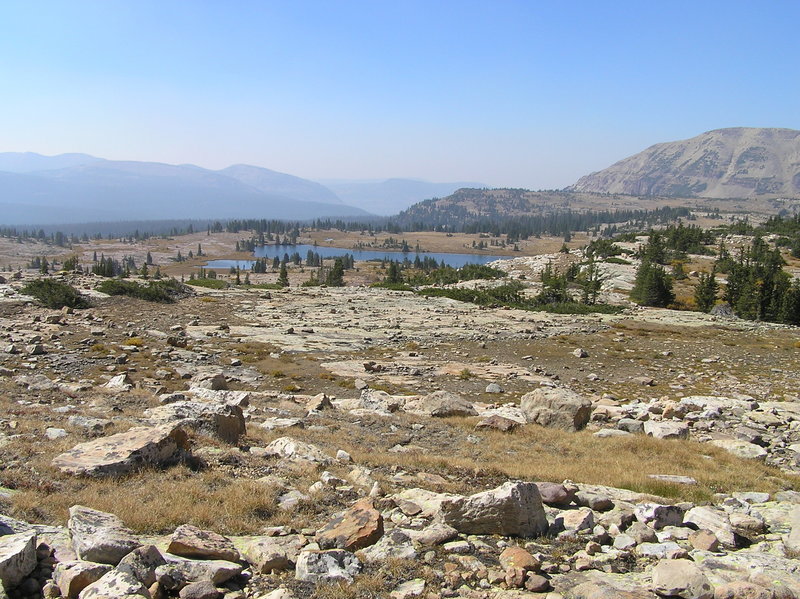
x=658 y=516
x=98 y=536
x=193 y=542
x=556 y=408
x=223 y=421
x=266 y=554
x=442 y=404
x=292 y=449
x=17 y=557
x=353 y=529
x=681 y=578
x=741 y=589
x=179 y=572
x=666 y=429
x=141 y=563
x=555 y=494
x=512 y=509
x=497 y=423
x=517 y=557
x=115 y=585
x=396 y=544
x=72 y=577
x=741 y=449
x=327 y=566
x=792 y=540
x=714 y=520
x=124 y=452
x=200 y=590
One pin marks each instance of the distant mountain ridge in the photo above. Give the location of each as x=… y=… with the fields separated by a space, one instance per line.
x=390 y=196
x=739 y=162
x=36 y=189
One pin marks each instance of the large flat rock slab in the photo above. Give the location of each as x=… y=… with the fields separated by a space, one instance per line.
x=125 y=452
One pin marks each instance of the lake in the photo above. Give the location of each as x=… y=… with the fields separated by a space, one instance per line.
x=271 y=251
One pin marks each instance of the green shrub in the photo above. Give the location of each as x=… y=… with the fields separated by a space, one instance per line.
x=208 y=283
x=155 y=291
x=55 y=294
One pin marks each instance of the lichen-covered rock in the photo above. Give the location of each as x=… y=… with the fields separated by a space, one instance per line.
x=115 y=585
x=327 y=566
x=141 y=563
x=125 y=452
x=512 y=509
x=98 y=536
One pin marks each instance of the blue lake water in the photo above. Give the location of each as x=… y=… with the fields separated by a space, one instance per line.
x=271 y=251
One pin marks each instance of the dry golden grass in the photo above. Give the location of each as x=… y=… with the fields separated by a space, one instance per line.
x=158 y=502
x=543 y=454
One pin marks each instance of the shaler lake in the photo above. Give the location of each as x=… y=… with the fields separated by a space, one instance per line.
x=279 y=251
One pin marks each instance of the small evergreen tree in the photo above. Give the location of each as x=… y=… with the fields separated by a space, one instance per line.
x=393 y=275
x=335 y=276
x=705 y=293
x=44 y=267
x=653 y=286
x=283 y=276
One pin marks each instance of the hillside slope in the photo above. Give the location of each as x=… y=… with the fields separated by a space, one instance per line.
x=725 y=163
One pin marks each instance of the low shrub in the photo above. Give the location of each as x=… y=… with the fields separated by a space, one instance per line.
x=154 y=291
x=55 y=294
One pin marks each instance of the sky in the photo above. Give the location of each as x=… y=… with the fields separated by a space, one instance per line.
x=510 y=93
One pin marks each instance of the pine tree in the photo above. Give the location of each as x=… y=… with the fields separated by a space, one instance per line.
x=393 y=275
x=283 y=276
x=335 y=276
x=652 y=287
x=705 y=293
x=149 y=259
x=44 y=267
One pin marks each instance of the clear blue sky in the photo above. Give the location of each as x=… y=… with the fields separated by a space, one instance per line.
x=511 y=93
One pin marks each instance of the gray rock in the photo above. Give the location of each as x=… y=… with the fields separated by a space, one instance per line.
x=715 y=520
x=141 y=563
x=98 y=536
x=494 y=388
x=124 y=452
x=658 y=516
x=223 y=421
x=17 y=557
x=442 y=404
x=512 y=509
x=666 y=429
x=681 y=578
x=266 y=554
x=72 y=577
x=556 y=408
x=287 y=447
x=741 y=449
x=179 y=572
x=200 y=590
x=115 y=585
x=327 y=566
x=191 y=541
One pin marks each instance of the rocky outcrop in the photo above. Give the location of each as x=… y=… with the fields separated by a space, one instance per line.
x=739 y=162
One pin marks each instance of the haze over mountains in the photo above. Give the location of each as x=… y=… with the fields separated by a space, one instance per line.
x=739 y=162
x=69 y=188
x=392 y=195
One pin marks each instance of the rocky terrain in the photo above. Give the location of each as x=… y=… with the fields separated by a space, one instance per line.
x=739 y=162
x=358 y=442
